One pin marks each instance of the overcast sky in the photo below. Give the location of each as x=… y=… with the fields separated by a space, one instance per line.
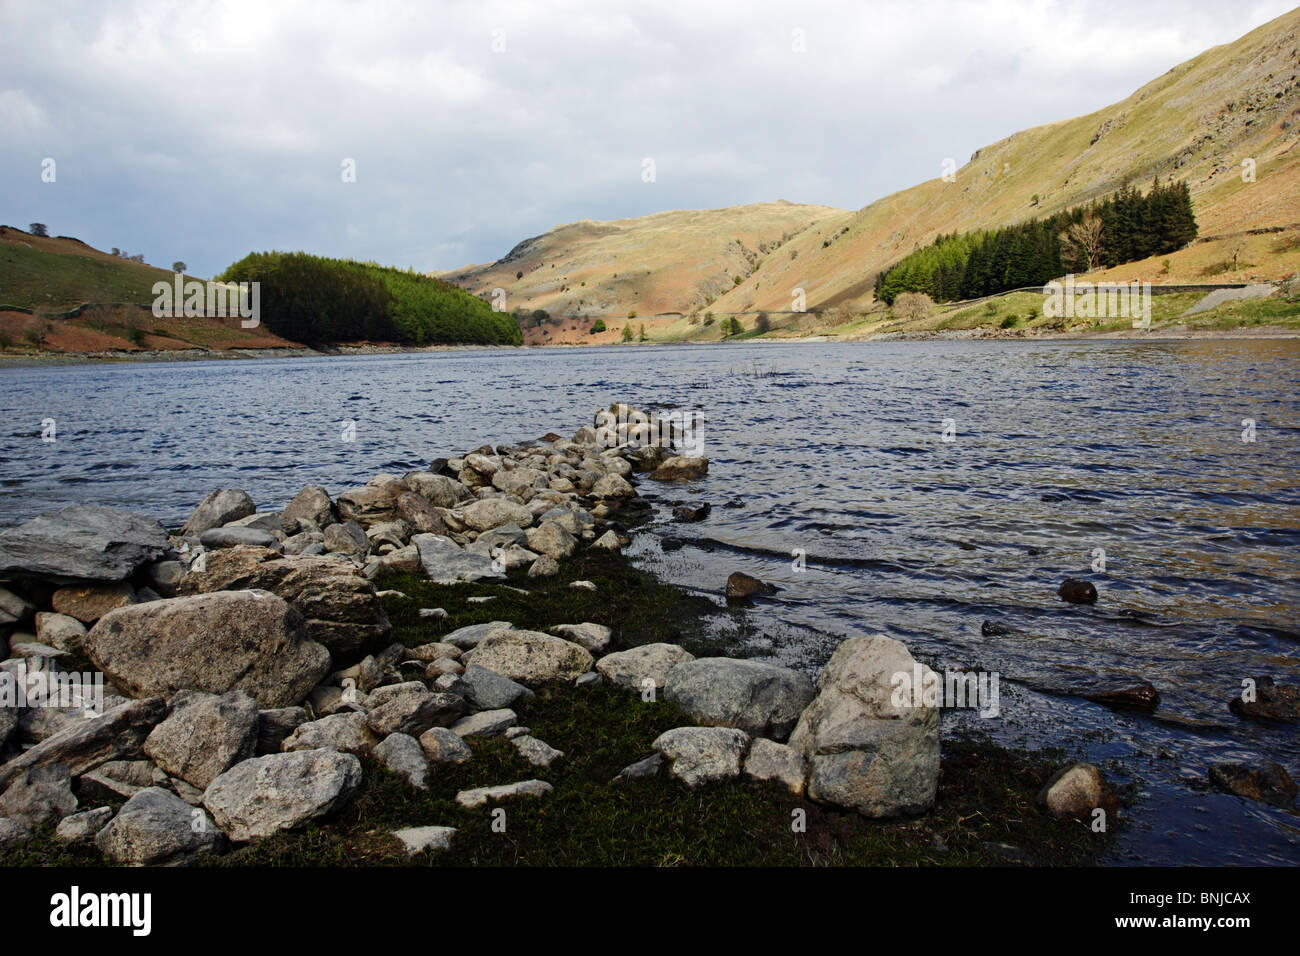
x=203 y=131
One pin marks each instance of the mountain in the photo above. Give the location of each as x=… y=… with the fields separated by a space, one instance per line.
x=1196 y=123
x=666 y=262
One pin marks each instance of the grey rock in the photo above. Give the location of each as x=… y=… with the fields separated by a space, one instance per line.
x=410 y=708
x=471 y=636
x=82 y=543
x=440 y=745
x=261 y=521
x=700 y=755
x=82 y=827
x=87 y=743
x=418 y=839
x=402 y=754
x=487 y=723
x=759 y=698
x=164 y=576
x=649 y=767
x=218 y=508
x=347 y=538
x=13 y=607
x=262 y=796
x=864 y=751
x=612 y=486
x=371 y=504
x=770 y=761
x=594 y=637
x=156 y=826
x=39 y=793
x=550 y=539
x=247 y=640
x=346 y=733
x=446 y=563
x=275 y=725
x=544 y=567
x=607 y=542
x=215 y=539
x=61 y=631
x=204 y=735
x=340 y=607
x=488 y=690
x=438 y=490
x=481 y=795
x=488 y=513
x=13 y=832
x=312 y=505
x=649 y=662
x=536 y=752
x=531 y=657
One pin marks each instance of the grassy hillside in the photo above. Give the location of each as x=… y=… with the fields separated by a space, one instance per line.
x=56 y=274
x=1196 y=124
x=668 y=262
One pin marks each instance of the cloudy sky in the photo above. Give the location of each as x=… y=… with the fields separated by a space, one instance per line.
x=202 y=131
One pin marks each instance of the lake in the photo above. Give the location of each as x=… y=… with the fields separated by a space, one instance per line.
x=919 y=489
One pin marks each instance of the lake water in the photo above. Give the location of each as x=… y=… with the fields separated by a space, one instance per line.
x=928 y=486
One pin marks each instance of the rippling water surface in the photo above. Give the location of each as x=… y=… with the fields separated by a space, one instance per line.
x=1058 y=449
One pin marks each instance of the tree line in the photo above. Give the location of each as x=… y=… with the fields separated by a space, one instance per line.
x=1124 y=227
x=315 y=300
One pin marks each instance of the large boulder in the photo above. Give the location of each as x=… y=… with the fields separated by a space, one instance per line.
x=247 y=640
x=259 y=797
x=869 y=747
x=204 y=735
x=339 y=604
x=761 y=699
x=218 y=508
x=154 y=826
x=531 y=657
x=82 y=543
x=445 y=562
x=649 y=662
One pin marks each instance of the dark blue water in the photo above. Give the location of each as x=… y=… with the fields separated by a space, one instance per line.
x=1058 y=450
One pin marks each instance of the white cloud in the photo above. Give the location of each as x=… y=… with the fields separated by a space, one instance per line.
x=205 y=130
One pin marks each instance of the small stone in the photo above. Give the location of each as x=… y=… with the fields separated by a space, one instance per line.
x=434 y=613
x=583 y=585
x=345 y=732
x=649 y=767
x=82 y=827
x=402 y=754
x=418 y=839
x=544 y=567
x=481 y=795
x=742 y=586
x=1075 y=791
x=536 y=752
x=440 y=745
x=487 y=723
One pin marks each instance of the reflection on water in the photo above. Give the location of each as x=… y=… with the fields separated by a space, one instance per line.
x=1063 y=456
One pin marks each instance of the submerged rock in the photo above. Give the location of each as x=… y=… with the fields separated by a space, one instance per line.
x=1264 y=782
x=1271 y=701
x=1141 y=696
x=741 y=586
x=1077 y=591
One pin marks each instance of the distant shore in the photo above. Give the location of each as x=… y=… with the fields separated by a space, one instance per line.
x=1172 y=334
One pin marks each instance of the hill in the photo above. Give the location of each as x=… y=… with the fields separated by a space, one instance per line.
x=1195 y=124
x=666 y=262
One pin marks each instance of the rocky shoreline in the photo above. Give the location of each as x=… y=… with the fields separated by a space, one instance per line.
x=169 y=698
